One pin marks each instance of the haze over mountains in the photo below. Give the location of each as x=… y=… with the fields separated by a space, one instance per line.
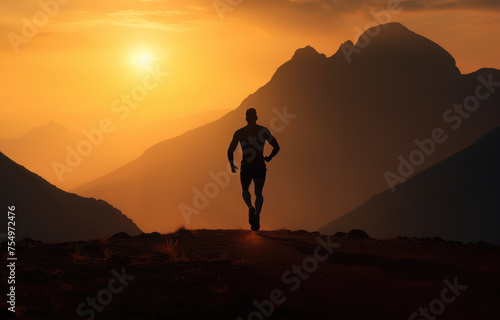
x=456 y=199
x=342 y=122
x=42 y=146
x=44 y=212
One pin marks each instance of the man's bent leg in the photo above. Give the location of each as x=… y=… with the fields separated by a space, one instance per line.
x=259 y=198
x=247 y=197
x=245 y=184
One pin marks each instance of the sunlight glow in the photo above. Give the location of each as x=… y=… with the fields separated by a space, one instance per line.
x=143 y=59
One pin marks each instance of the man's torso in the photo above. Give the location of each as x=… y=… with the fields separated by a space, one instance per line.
x=252 y=139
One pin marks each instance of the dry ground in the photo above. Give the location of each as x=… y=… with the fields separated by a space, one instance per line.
x=218 y=274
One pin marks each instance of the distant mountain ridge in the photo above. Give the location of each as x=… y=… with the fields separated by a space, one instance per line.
x=49 y=128
x=42 y=146
x=44 y=212
x=341 y=125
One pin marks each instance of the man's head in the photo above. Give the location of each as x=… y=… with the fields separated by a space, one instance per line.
x=251 y=116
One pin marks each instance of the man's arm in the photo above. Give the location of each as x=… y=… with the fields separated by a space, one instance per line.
x=230 y=153
x=276 y=147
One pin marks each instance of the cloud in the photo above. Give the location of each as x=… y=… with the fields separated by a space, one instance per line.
x=180 y=15
x=451 y=4
x=339 y=7
x=173 y=20
x=286 y=16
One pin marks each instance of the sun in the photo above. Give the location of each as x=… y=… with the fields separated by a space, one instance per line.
x=143 y=59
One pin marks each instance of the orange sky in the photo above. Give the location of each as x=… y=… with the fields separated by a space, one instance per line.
x=85 y=54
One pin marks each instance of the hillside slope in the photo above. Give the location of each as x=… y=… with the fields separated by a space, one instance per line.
x=44 y=212
x=457 y=199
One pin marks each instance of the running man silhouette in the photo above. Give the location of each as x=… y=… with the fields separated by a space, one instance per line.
x=252 y=138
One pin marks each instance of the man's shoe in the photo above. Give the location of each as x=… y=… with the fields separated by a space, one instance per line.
x=256 y=223
x=251 y=215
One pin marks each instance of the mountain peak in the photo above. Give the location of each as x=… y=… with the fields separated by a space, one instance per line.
x=391 y=30
x=307 y=52
x=302 y=61
x=392 y=26
x=395 y=36
x=50 y=128
x=393 y=44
